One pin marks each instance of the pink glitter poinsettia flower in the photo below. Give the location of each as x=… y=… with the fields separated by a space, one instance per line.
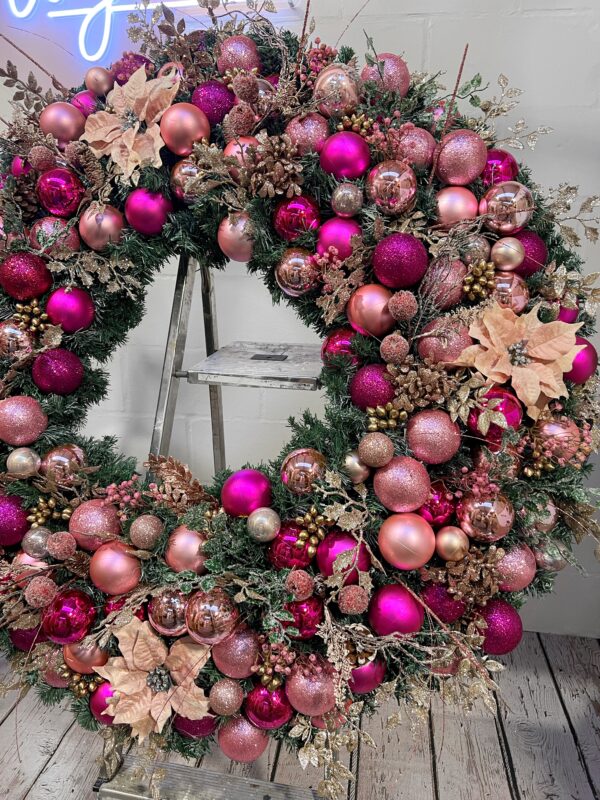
x=151 y=682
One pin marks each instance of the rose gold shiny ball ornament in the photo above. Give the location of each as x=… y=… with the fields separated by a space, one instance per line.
x=114 y=570
x=84 y=657
x=236 y=656
x=511 y=291
x=181 y=126
x=336 y=91
x=455 y=204
x=461 y=157
x=406 y=541
x=62 y=463
x=166 y=612
x=226 y=697
x=507 y=254
x=354 y=468
x=392 y=186
x=485 y=519
x=180 y=175
x=35 y=542
x=296 y=273
x=451 y=543
x=211 y=617
x=145 y=531
x=562 y=435
x=235 y=237
x=432 y=436
x=263 y=524
x=101 y=225
x=367 y=310
x=301 y=468
x=547 y=521
x=14 y=342
x=402 y=485
x=99 y=80
x=476 y=248
x=185 y=551
x=347 y=200
x=507 y=206
x=93 y=523
x=23 y=462
x=376 y=449
x=63 y=121
x=551 y=556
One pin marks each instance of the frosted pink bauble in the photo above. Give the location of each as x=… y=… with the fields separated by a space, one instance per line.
x=516 y=568
x=400 y=260
x=308 y=133
x=240 y=740
x=390 y=72
x=461 y=157
x=442 y=603
x=93 y=523
x=504 y=627
x=402 y=485
x=371 y=386
x=22 y=420
x=236 y=656
x=432 y=436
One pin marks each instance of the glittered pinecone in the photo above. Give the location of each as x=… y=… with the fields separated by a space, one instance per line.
x=80 y=155
x=273 y=169
x=25 y=197
x=239 y=122
x=420 y=384
x=474 y=579
x=245 y=87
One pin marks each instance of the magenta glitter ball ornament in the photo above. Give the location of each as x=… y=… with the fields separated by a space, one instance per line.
x=69 y=616
x=400 y=260
x=60 y=192
x=345 y=155
x=297 y=273
x=339 y=343
x=442 y=603
x=368 y=677
x=25 y=639
x=71 y=308
x=215 y=99
x=432 y=436
x=585 y=362
x=455 y=204
x=390 y=73
x=123 y=69
x=245 y=491
x=461 y=157
x=267 y=709
x=22 y=420
x=516 y=568
x=57 y=371
x=85 y=101
x=99 y=704
x=308 y=133
x=371 y=386
x=500 y=166
x=13 y=520
x=439 y=509
x=296 y=215
x=393 y=609
x=416 y=146
x=443 y=282
x=240 y=740
x=185 y=550
x=114 y=569
x=236 y=656
x=301 y=468
x=93 y=523
x=308 y=615
x=445 y=340
x=402 y=485
x=62 y=120
x=504 y=402
x=57 y=230
x=283 y=553
x=235 y=237
x=310 y=687
x=195 y=728
x=392 y=187
x=368 y=312
x=24 y=276
x=336 y=543
x=338 y=233
x=147 y=211
x=507 y=206
x=238 y=53
x=485 y=519
x=536 y=253
x=504 y=627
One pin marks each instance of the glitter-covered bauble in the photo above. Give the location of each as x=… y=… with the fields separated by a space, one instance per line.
x=551 y=556
x=485 y=519
x=267 y=709
x=25 y=639
x=211 y=616
x=475 y=249
x=128 y=64
x=56 y=230
x=376 y=449
x=215 y=99
x=585 y=362
x=283 y=553
x=310 y=687
x=181 y=126
x=443 y=282
x=71 y=308
x=60 y=191
x=63 y=121
x=402 y=485
x=440 y=506
x=400 y=260
x=432 y=436
x=347 y=200
x=507 y=253
x=236 y=656
x=445 y=340
x=147 y=212
x=63 y=463
x=185 y=551
x=562 y=436
x=442 y=603
x=339 y=343
x=166 y=612
x=416 y=146
x=460 y=157
x=24 y=275
x=237 y=148
x=296 y=215
x=394 y=348
x=516 y=568
x=451 y=543
x=22 y=420
x=99 y=704
x=99 y=80
x=536 y=253
x=504 y=628
x=368 y=677
x=14 y=341
x=100 y=226
x=371 y=386
x=114 y=569
x=507 y=207
x=57 y=371
x=510 y=291
x=354 y=468
x=195 y=728
x=263 y=524
x=336 y=543
x=245 y=491
x=23 y=462
x=13 y=520
x=300 y=584
x=86 y=102
x=308 y=615
x=392 y=187
x=93 y=523
x=501 y=401
x=296 y=273
x=301 y=468
x=235 y=237
x=406 y=541
x=238 y=53
x=181 y=173
x=308 y=133
x=240 y=740
x=336 y=91
x=338 y=232
x=145 y=531
x=69 y=617
x=84 y=656
x=389 y=72
x=500 y=166
x=393 y=609
x=455 y=204
x=367 y=310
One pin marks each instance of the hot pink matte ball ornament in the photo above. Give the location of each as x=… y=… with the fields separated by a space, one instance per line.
x=296 y=215
x=345 y=155
x=114 y=570
x=93 y=523
x=240 y=740
x=432 y=436
x=370 y=386
x=185 y=550
x=245 y=491
x=516 y=568
x=505 y=403
x=500 y=166
x=367 y=310
x=402 y=485
x=367 y=677
x=215 y=99
x=283 y=553
x=406 y=541
x=339 y=343
x=60 y=191
x=57 y=230
x=400 y=260
x=147 y=211
x=536 y=253
x=63 y=121
x=69 y=616
x=100 y=226
x=236 y=656
x=234 y=237
x=461 y=157
x=25 y=639
x=393 y=609
x=442 y=603
x=268 y=709
x=338 y=233
x=24 y=276
x=308 y=133
x=504 y=627
x=455 y=204
x=308 y=615
x=13 y=520
x=71 y=308
x=99 y=704
x=196 y=728
x=22 y=420
x=57 y=371
x=85 y=101
x=585 y=362
x=335 y=543
x=393 y=76
x=439 y=509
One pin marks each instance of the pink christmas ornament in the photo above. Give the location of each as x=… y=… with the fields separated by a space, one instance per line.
x=196 y=728
x=24 y=276
x=336 y=91
x=402 y=485
x=124 y=68
x=310 y=687
x=504 y=627
x=368 y=677
x=63 y=121
x=14 y=341
x=567 y=314
x=181 y=173
x=147 y=211
x=297 y=273
x=181 y=126
x=536 y=253
x=57 y=230
x=443 y=340
x=86 y=102
x=240 y=740
x=211 y=617
x=69 y=616
x=406 y=541
x=500 y=166
x=99 y=80
x=443 y=282
x=100 y=226
x=338 y=233
x=516 y=568
x=393 y=609
x=237 y=148
x=308 y=133
x=60 y=191
x=585 y=362
x=166 y=612
x=245 y=491
x=185 y=551
x=283 y=553
x=294 y=216
x=367 y=310
x=442 y=603
x=308 y=615
x=461 y=157
x=301 y=468
x=19 y=167
x=13 y=520
x=371 y=386
x=339 y=343
x=215 y=99
x=338 y=542
x=503 y=402
x=510 y=291
x=485 y=519
x=432 y=436
x=390 y=73
x=22 y=420
x=238 y=53
x=455 y=204
x=392 y=187
x=416 y=146
x=71 y=308
x=114 y=569
x=267 y=709
x=507 y=206
x=236 y=656
x=439 y=509
x=400 y=260
x=99 y=704
x=57 y=371
x=93 y=523
x=25 y=639
x=235 y=238
x=345 y=155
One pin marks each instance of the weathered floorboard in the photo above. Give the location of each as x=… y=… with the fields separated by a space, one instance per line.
x=9 y=700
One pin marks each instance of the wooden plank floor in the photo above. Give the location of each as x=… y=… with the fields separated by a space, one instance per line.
x=543 y=745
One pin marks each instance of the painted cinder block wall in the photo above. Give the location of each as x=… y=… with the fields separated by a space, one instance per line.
x=551 y=50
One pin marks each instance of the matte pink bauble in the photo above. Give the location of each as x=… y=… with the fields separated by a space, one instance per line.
x=69 y=617
x=283 y=553
x=392 y=187
x=83 y=657
x=516 y=568
x=367 y=310
x=345 y=155
x=240 y=740
x=57 y=371
x=166 y=612
x=443 y=282
x=461 y=157
x=147 y=211
x=507 y=206
x=339 y=343
x=336 y=91
x=181 y=126
x=211 y=617
x=99 y=80
x=236 y=656
x=99 y=704
x=585 y=362
x=60 y=191
x=308 y=615
x=185 y=551
x=445 y=340
x=442 y=603
x=85 y=101
x=504 y=627
x=439 y=508
x=93 y=523
x=13 y=520
x=245 y=491
x=71 y=308
x=485 y=519
x=338 y=233
x=237 y=149
x=416 y=146
x=57 y=230
x=235 y=238
x=114 y=570
x=308 y=133
x=402 y=485
x=301 y=468
x=510 y=291
x=294 y=216
x=238 y=53
x=455 y=204
x=195 y=728
x=400 y=260
x=297 y=273
x=267 y=709
x=503 y=402
x=368 y=677
x=215 y=99
x=100 y=226
x=336 y=543
x=371 y=386
x=536 y=253
x=25 y=639
x=63 y=121
x=500 y=166
x=406 y=541
x=390 y=72
x=22 y=420
x=432 y=436
x=393 y=609
x=24 y=276
x=310 y=687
